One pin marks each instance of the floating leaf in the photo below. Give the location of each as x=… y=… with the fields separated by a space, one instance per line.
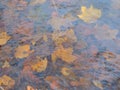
x=40 y=65
x=4 y=37
x=89 y=15
x=23 y=51
x=6 y=82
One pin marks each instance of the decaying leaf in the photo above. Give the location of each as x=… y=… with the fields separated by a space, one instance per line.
x=23 y=51
x=40 y=65
x=89 y=15
x=64 y=53
x=98 y=84
x=7 y=82
x=4 y=37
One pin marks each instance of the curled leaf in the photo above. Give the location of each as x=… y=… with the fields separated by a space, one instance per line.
x=65 y=71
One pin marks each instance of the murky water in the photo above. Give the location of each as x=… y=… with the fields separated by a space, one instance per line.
x=59 y=45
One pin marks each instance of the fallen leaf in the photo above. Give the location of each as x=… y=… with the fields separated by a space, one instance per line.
x=6 y=82
x=64 y=53
x=61 y=37
x=66 y=71
x=108 y=55
x=45 y=38
x=81 y=82
x=6 y=64
x=23 y=51
x=30 y=88
x=4 y=37
x=89 y=15
x=104 y=33
x=40 y=65
x=98 y=84
x=57 y=22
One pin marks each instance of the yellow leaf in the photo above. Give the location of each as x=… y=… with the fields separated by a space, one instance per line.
x=40 y=65
x=6 y=65
x=65 y=71
x=30 y=88
x=7 y=81
x=64 y=53
x=45 y=38
x=23 y=51
x=98 y=84
x=4 y=37
x=61 y=37
x=33 y=42
x=89 y=15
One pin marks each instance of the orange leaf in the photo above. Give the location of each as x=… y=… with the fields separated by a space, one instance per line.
x=4 y=37
x=40 y=65
x=23 y=51
x=64 y=53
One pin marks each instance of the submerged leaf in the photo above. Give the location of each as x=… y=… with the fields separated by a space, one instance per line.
x=65 y=54
x=6 y=65
x=30 y=88
x=108 y=55
x=62 y=37
x=65 y=71
x=23 y=51
x=7 y=82
x=40 y=65
x=4 y=37
x=98 y=84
